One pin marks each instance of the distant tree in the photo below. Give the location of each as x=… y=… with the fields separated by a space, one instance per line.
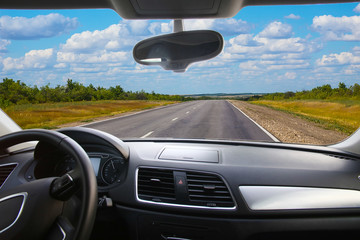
x=342 y=85
x=321 y=92
x=17 y=92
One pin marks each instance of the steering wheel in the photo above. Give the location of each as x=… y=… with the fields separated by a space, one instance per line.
x=35 y=209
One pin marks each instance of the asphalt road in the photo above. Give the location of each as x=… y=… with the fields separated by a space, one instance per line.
x=213 y=119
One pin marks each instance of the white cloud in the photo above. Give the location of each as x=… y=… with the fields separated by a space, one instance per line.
x=293 y=16
x=98 y=57
x=3 y=44
x=166 y=27
x=249 y=65
x=290 y=45
x=277 y=30
x=156 y=28
x=356 y=50
x=138 y=27
x=334 y=59
x=257 y=46
x=197 y=24
x=41 y=26
x=245 y=40
x=338 y=28
x=34 y=59
x=227 y=27
x=271 y=50
x=115 y=37
x=290 y=75
x=101 y=49
x=357 y=8
x=60 y=65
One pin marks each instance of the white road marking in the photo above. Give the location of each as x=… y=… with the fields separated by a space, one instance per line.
x=148 y=134
x=187 y=112
x=263 y=129
x=174 y=119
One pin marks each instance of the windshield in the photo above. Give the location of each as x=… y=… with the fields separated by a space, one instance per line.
x=285 y=74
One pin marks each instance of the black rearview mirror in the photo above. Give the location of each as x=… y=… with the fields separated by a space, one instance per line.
x=177 y=51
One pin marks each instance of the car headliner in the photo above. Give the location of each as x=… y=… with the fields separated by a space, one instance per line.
x=159 y=9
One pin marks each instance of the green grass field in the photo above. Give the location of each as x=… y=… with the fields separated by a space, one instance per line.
x=343 y=115
x=51 y=115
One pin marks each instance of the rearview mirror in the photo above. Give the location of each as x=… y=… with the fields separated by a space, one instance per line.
x=176 y=51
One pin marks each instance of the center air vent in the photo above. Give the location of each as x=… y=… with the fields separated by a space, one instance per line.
x=5 y=171
x=183 y=188
x=208 y=190
x=156 y=185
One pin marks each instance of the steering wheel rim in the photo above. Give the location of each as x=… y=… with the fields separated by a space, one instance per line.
x=85 y=175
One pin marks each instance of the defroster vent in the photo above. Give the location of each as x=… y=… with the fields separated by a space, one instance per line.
x=156 y=185
x=208 y=190
x=5 y=171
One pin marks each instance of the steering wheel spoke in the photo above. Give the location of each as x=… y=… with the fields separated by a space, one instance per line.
x=62 y=229
x=28 y=202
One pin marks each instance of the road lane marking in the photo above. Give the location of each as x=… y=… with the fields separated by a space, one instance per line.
x=148 y=134
x=174 y=119
x=187 y=112
x=263 y=129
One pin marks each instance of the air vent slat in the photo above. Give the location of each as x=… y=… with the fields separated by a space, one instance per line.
x=208 y=190
x=206 y=176
x=195 y=196
x=151 y=188
x=5 y=171
x=205 y=181
x=149 y=182
x=157 y=176
x=202 y=191
x=201 y=186
x=150 y=194
x=156 y=185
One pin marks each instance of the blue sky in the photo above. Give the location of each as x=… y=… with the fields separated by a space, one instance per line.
x=267 y=49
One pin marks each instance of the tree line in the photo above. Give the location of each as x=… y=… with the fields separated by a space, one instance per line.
x=17 y=92
x=324 y=92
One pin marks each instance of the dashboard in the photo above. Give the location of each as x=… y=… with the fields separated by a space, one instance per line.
x=196 y=189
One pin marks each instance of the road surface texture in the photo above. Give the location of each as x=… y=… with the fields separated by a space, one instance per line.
x=213 y=119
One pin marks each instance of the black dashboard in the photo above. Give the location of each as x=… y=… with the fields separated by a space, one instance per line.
x=195 y=189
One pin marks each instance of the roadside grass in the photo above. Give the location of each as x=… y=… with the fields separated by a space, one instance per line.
x=51 y=115
x=341 y=115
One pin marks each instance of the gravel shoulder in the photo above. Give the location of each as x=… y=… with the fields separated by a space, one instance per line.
x=289 y=128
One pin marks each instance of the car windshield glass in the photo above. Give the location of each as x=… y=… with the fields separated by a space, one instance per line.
x=285 y=74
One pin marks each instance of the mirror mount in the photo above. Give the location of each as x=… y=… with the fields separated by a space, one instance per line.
x=178 y=25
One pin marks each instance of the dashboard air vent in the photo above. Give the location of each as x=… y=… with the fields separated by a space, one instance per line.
x=156 y=185
x=208 y=190
x=5 y=171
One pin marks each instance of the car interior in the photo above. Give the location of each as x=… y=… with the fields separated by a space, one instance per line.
x=82 y=183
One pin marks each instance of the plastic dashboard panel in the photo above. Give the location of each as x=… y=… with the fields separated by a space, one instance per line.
x=248 y=165
x=245 y=165
x=296 y=198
